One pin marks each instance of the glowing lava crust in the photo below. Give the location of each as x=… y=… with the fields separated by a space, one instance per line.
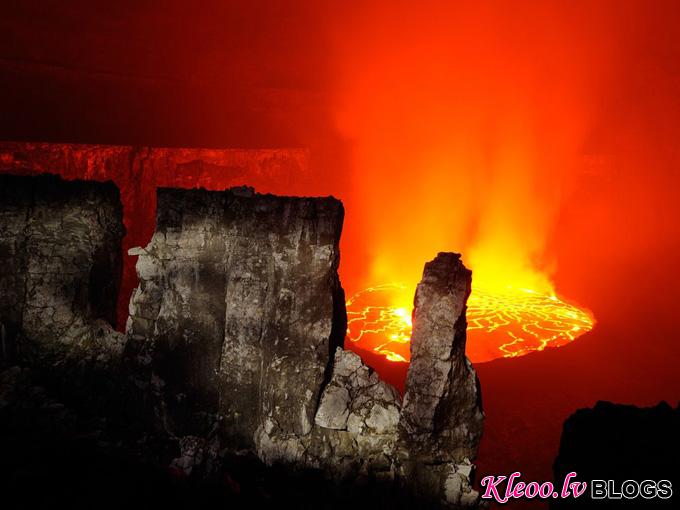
x=502 y=321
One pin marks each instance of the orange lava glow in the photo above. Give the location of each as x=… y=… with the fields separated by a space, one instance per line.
x=377 y=320
x=503 y=321
x=468 y=125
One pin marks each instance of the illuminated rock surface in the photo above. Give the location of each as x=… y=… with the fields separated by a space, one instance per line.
x=441 y=419
x=238 y=310
x=360 y=438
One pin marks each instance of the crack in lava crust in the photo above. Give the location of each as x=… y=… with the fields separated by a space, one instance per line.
x=502 y=321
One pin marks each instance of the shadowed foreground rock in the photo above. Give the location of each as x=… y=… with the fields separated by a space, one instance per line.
x=60 y=267
x=620 y=442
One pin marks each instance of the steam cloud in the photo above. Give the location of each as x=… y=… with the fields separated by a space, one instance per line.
x=466 y=123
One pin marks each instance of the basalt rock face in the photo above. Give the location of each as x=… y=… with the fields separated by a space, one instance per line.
x=60 y=267
x=238 y=313
x=441 y=419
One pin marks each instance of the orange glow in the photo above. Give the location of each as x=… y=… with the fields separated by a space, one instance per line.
x=502 y=321
x=468 y=123
x=379 y=319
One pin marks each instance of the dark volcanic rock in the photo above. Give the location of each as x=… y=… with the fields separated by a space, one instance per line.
x=238 y=311
x=441 y=419
x=60 y=268
x=620 y=442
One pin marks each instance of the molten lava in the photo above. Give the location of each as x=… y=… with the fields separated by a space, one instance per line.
x=503 y=321
x=379 y=318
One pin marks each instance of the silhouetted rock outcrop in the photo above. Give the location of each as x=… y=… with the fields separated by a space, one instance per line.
x=618 y=443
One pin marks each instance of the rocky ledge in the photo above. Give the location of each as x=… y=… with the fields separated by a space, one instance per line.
x=234 y=337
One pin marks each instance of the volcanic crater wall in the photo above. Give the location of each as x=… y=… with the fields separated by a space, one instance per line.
x=235 y=332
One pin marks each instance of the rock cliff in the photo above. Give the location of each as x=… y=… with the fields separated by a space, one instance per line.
x=239 y=310
x=234 y=338
x=60 y=268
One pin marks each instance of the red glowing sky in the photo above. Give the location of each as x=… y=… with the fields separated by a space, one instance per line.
x=537 y=136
